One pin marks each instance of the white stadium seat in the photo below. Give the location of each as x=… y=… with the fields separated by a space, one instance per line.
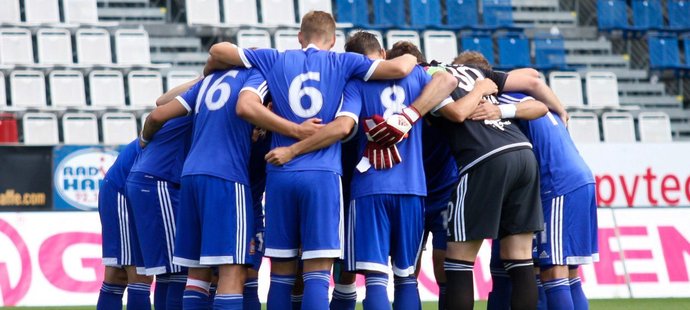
x=202 y=12
x=79 y=128
x=80 y=11
x=132 y=47
x=107 y=88
x=240 y=12
x=618 y=127
x=313 y=5
x=16 y=46
x=28 y=88
x=394 y=36
x=655 y=127
x=93 y=47
x=118 y=128
x=10 y=11
x=602 y=89
x=247 y=38
x=339 y=45
x=3 y=92
x=584 y=127
x=286 y=39
x=54 y=46
x=67 y=88
x=278 y=12
x=42 y=11
x=568 y=88
x=175 y=78
x=377 y=33
x=440 y=45
x=144 y=88
x=40 y=129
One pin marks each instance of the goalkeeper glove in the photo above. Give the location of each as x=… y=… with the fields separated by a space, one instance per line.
x=382 y=157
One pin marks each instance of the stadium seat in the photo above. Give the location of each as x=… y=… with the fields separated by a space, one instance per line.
x=8 y=128
x=16 y=47
x=393 y=36
x=355 y=12
x=663 y=52
x=340 y=40
x=93 y=47
x=497 y=14
x=612 y=15
x=462 y=13
x=3 y=92
x=203 y=12
x=118 y=128
x=175 y=78
x=40 y=128
x=686 y=47
x=67 y=88
x=247 y=38
x=42 y=11
x=80 y=12
x=54 y=46
x=240 y=12
x=144 y=88
x=10 y=12
x=440 y=45
x=313 y=5
x=654 y=127
x=80 y=128
x=678 y=14
x=286 y=39
x=389 y=14
x=278 y=12
x=568 y=88
x=28 y=89
x=549 y=52
x=479 y=42
x=106 y=88
x=618 y=127
x=602 y=89
x=647 y=15
x=132 y=47
x=513 y=51
x=584 y=127
x=425 y=13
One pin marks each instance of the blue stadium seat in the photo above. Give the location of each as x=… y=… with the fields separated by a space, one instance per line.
x=355 y=12
x=678 y=14
x=647 y=15
x=686 y=46
x=479 y=42
x=389 y=14
x=549 y=52
x=612 y=15
x=425 y=13
x=513 y=51
x=462 y=14
x=663 y=52
x=498 y=14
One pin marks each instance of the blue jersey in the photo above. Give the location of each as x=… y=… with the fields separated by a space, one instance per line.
x=164 y=156
x=118 y=172
x=439 y=166
x=561 y=167
x=257 y=177
x=386 y=98
x=304 y=84
x=221 y=139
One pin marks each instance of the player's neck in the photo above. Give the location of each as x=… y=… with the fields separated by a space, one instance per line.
x=319 y=45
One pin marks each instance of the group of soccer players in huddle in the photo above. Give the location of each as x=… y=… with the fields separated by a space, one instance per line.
x=458 y=151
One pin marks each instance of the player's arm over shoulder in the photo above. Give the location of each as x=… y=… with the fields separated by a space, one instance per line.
x=396 y=68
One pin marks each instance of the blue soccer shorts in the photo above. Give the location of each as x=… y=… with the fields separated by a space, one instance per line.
x=120 y=245
x=436 y=220
x=215 y=223
x=570 y=234
x=383 y=226
x=154 y=203
x=304 y=210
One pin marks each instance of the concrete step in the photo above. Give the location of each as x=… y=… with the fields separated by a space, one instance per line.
x=598 y=60
x=642 y=88
x=545 y=19
x=588 y=46
x=651 y=101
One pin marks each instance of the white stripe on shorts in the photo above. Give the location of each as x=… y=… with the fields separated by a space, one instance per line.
x=341 y=222
x=556 y=231
x=168 y=221
x=459 y=209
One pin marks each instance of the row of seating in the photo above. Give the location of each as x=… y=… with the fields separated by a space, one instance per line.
x=646 y=15
x=93 y=47
x=601 y=89
x=619 y=127
x=67 y=89
x=41 y=12
x=664 y=53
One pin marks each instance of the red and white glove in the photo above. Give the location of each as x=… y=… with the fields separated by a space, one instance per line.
x=396 y=127
x=382 y=157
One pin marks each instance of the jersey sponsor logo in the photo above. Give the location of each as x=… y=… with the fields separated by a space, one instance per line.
x=497 y=123
x=78 y=177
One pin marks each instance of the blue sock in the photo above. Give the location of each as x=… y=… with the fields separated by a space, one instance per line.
x=579 y=299
x=250 y=296
x=227 y=302
x=316 y=289
x=195 y=300
x=406 y=296
x=279 y=291
x=296 y=301
x=441 y=296
x=160 y=294
x=344 y=297
x=110 y=297
x=176 y=286
x=558 y=294
x=138 y=296
x=501 y=290
x=542 y=303
x=377 y=292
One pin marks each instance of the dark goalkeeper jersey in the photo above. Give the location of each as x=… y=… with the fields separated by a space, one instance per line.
x=473 y=142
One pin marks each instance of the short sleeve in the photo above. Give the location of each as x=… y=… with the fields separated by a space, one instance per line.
x=351 y=104
x=424 y=77
x=513 y=98
x=499 y=77
x=358 y=66
x=188 y=98
x=261 y=59
x=257 y=84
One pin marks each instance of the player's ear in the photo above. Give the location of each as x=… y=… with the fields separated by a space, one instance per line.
x=383 y=54
x=332 y=42
x=300 y=38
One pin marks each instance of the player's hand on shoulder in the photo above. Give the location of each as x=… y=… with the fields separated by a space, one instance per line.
x=392 y=130
x=485 y=111
x=280 y=156
x=486 y=86
x=309 y=127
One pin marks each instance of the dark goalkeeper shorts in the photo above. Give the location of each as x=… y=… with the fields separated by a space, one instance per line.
x=497 y=198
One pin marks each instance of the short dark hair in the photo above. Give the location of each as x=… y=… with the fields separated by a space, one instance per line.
x=405 y=47
x=473 y=58
x=317 y=25
x=363 y=42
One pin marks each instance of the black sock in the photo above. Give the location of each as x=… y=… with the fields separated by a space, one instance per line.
x=459 y=284
x=524 y=294
x=441 y=296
